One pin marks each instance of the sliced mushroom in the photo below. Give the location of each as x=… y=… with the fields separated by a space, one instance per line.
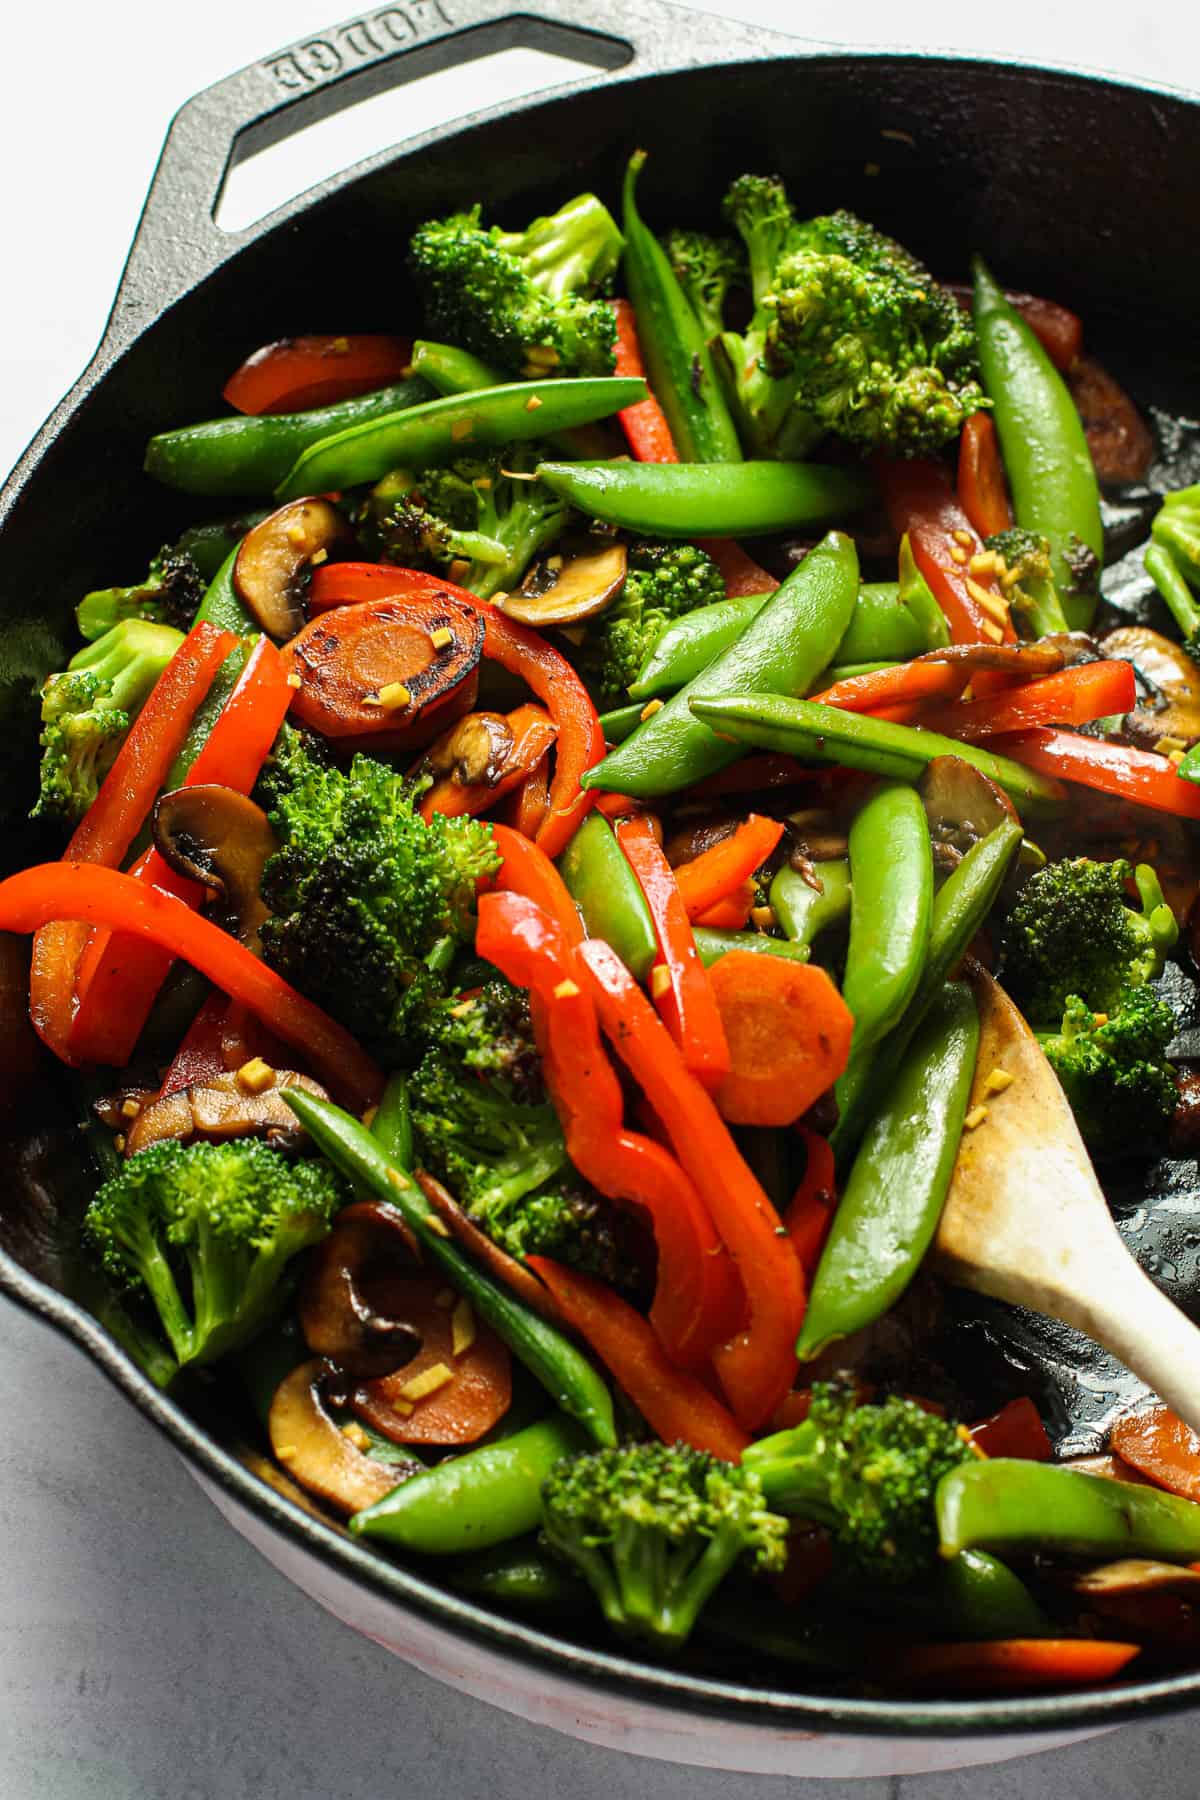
x=1133 y=1575
x=276 y=555
x=220 y=838
x=1166 y=667
x=1107 y=1468
x=245 y=1102
x=320 y=1456
x=961 y=804
x=515 y=1276
x=1119 y=439
x=565 y=590
x=1046 y=657
x=473 y=751
x=337 y=1321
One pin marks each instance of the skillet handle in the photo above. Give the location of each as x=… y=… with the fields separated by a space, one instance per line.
x=178 y=243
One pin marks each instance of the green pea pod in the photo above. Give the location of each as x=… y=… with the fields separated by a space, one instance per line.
x=251 y=454
x=713 y=944
x=449 y=370
x=564 y=1371
x=972 y=1596
x=476 y=1500
x=673 y=344
x=1046 y=456
x=847 y=671
x=758 y=1623
x=221 y=606
x=457 y=425
x=605 y=889
x=687 y=500
x=818 y=733
x=781 y=650
x=960 y=906
x=209 y=544
x=622 y=722
x=897 y=1187
x=520 y=1575
x=690 y=643
x=881 y=629
x=917 y=597
x=1008 y=1504
x=802 y=910
x=891 y=900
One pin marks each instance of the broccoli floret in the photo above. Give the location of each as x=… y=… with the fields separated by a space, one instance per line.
x=485 y=1126
x=368 y=901
x=706 y=268
x=483 y=512
x=170 y=594
x=850 y=335
x=524 y=299
x=1033 y=595
x=662 y=582
x=1114 y=1071
x=88 y=709
x=868 y=1474
x=1072 y=932
x=1177 y=528
x=208 y=1232
x=654 y=1529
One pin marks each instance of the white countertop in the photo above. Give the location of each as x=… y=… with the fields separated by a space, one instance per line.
x=145 y=1652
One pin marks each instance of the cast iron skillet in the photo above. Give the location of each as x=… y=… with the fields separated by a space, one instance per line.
x=1070 y=183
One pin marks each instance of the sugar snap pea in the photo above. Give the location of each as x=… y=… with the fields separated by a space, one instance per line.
x=893 y=1198
x=803 y=910
x=605 y=889
x=713 y=944
x=244 y=454
x=456 y=425
x=223 y=607
x=621 y=722
x=708 y=499
x=520 y=1574
x=449 y=370
x=1008 y=1503
x=781 y=650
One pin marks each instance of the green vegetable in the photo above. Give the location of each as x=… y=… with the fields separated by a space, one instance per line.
x=88 y=709
x=917 y=597
x=673 y=342
x=868 y=1474
x=519 y=1574
x=251 y=455
x=972 y=1596
x=780 y=651
x=1008 y=1504
x=804 y=911
x=368 y=902
x=440 y=429
x=1176 y=529
x=850 y=335
x=706 y=268
x=663 y=584
x=621 y=722
x=897 y=1186
x=1046 y=458
x=712 y=944
x=169 y=595
x=1034 y=597
x=1165 y=571
x=818 y=733
x=479 y=510
x=606 y=891
x=563 y=1371
x=1072 y=932
x=524 y=299
x=222 y=607
x=208 y=1231
x=476 y=1500
x=449 y=370
x=709 y=499
x=1115 y=1074
x=654 y=1529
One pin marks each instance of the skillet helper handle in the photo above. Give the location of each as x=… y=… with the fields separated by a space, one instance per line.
x=178 y=243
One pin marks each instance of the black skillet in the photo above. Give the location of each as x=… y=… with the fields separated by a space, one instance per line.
x=1073 y=187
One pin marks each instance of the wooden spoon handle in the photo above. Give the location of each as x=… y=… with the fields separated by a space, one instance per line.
x=1143 y=1329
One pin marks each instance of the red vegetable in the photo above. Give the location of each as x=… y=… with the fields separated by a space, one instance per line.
x=1060 y=331
x=477 y=1397
x=1138 y=775
x=645 y=425
x=1010 y=1665
x=222 y=1036
x=1017 y=1430
x=921 y=501
x=732 y=913
x=1072 y=697
x=718 y=873
x=528 y=871
x=527 y=810
x=741 y=573
x=533 y=734
x=297 y=373
x=981 y=489
x=1159 y=1444
x=907 y=685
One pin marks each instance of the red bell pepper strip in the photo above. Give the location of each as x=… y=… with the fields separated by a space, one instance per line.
x=982 y=493
x=645 y=425
x=222 y=1036
x=528 y=871
x=921 y=501
x=1017 y=1430
x=533 y=734
x=674 y=1404
x=768 y=770
x=297 y=373
x=527 y=808
x=107 y=829
x=1072 y=697
x=902 y=686
x=1138 y=775
x=718 y=873
x=682 y=992
x=757 y=1365
x=117 y=980
x=522 y=652
x=732 y=913
x=92 y=895
x=619 y=806
x=810 y=1214
x=742 y=575
x=1009 y=1665
x=1159 y=1444
x=1060 y=331
x=696 y=1297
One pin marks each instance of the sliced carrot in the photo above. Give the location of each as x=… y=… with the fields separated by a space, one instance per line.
x=408 y=664
x=1009 y=1665
x=1017 y=1430
x=717 y=873
x=1159 y=1444
x=788 y=1031
x=479 y=1391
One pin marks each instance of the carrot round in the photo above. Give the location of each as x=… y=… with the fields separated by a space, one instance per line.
x=788 y=1031
x=407 y=664
x=479 y=1391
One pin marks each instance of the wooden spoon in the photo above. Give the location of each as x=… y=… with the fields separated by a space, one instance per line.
x=1026 y=1221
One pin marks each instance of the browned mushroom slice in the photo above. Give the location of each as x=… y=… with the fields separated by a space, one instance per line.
x=1046 y=657
x=473 y=751
x=1133 y=1575
x=1107 y=1468
x=961 y=804
x=514 y=1275
x=220 y=838
x=317 y=1454
x=566 y=590
x=275 y=556
x=337 y=1320
x=1174 y=719
x=246 y=1102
